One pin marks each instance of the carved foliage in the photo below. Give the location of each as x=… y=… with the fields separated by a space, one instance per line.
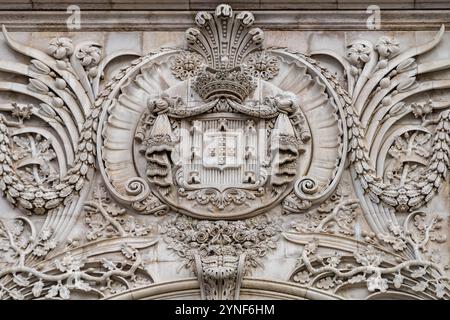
x=189 y=237
x=371 y=267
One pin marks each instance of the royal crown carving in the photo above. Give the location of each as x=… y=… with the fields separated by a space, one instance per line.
x=233 y=84
x=257 y=167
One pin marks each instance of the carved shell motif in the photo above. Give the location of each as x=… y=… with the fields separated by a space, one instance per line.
x=223 y=131
x=228 y=135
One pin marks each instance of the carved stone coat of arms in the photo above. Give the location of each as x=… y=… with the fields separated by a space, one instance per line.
x=224 y=157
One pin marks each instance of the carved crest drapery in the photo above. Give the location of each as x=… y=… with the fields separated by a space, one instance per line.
x=230 y=151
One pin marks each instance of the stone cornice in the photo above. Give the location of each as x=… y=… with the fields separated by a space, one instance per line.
x=211 y=4
x=346 y=20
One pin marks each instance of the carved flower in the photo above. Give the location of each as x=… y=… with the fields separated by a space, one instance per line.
x=395 y=228
x=358 y=54
x=421 y=110
x=376 y=282
x=239 y=235
x=132 y=226
x=22 y=111
x=311 y=247
x=222 y=225
x=16 y=228
x=23 y=242
x=60 y=48
x=387 y=46
x=40 y=251
x=89 y=55
x=204 y=225
x=240 y=197
x=334 y=261
x=398 y=280
x=369 y=257
x=69 y=264
x=252 y=235
x=46 y=233
x=224 y=238
x=182 y=224
x=186 y=65
x=228 y=228
x=262 y=65
x=39 y=202
x=262 y=236
x=398 y=244
x=201 y=236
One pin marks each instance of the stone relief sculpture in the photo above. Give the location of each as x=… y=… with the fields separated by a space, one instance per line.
x=232 y=153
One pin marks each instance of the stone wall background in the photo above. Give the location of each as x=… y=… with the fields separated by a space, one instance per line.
x=211 y=4
x=306 y=26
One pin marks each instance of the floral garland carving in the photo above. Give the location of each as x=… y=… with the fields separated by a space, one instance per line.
x=189 y=237
x=36 y=199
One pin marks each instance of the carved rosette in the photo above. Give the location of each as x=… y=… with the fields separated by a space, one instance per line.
x=230 y=135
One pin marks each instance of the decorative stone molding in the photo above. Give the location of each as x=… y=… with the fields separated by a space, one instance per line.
x=304 y=20
x=208 y=5
x=240 y=156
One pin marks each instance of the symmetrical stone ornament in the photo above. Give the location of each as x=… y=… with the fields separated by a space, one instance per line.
x=256 y=166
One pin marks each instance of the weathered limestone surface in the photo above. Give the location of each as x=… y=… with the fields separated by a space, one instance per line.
x=211 y=4
x=223 y=158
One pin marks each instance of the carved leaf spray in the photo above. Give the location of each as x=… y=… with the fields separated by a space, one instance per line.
x=224 y=130
x=378 y=88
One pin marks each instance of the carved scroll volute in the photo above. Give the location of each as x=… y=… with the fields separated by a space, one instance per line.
x=115 y=146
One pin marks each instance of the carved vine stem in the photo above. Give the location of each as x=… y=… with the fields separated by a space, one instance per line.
x=21 y=252
x=70 y=276
x=364 y=269
x=104 y=213
x=334 y=213
x=75 y=274
x=417 y=245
